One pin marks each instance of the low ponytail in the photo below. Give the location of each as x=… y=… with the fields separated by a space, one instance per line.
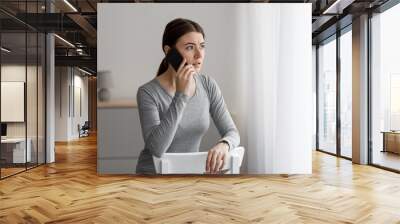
x=163 y=67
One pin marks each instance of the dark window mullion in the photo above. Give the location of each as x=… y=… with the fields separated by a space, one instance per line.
x=317 y=94
x=26 y=86
x=37 y=90
x=369 y=90
x=338 y=92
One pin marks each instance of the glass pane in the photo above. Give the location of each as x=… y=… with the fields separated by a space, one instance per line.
x=346 y=93
x=386 y=89
x=41 y=98
x=13 y=87
x=327 y=97
x=22 y=88
x=31 y=100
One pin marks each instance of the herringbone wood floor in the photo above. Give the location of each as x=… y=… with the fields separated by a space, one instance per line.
x=70 y=191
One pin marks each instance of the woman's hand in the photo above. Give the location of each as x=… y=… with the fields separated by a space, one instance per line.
x=216 y=157
x=184 y=76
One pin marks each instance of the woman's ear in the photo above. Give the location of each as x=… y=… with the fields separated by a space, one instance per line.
x=166 y=49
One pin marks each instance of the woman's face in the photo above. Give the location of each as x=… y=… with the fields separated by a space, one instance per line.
x=192 y=47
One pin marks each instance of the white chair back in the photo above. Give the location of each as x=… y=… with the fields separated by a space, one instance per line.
x=195 y=162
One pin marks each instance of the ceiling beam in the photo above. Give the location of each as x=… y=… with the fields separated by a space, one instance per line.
x=337 y=7
x=83 y=61
x=84 y=24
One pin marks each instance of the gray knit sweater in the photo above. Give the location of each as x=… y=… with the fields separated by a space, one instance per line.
x=178 y=123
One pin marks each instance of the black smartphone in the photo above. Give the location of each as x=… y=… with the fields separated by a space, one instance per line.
x=174 y=58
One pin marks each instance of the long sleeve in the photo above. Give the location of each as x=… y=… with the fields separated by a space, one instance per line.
x=158 y=132
x=221 y=116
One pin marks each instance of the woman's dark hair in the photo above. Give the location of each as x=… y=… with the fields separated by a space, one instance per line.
x=173 y=31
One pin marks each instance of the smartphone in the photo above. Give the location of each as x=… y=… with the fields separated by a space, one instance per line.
x=174 y=58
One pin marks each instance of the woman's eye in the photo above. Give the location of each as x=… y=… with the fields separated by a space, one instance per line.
x=192 y=47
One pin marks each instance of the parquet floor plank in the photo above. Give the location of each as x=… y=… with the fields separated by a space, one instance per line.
x=70 y=191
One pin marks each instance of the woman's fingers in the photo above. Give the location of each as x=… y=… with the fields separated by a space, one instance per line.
x=208 y=162
x=213 y=162
x=182 y=71
x=189 y=72
x=220 y=162
x=185 y=72
x=183 y=78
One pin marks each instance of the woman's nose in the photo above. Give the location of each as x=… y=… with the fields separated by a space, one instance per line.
x=197 y=53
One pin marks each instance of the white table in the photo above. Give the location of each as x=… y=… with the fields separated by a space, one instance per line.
x=19 y=149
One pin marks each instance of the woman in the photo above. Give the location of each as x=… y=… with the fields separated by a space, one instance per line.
x=175 y=106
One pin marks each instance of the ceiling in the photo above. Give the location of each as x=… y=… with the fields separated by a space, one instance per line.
x=76 y=22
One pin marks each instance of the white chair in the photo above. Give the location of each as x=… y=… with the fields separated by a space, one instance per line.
x=195 y=162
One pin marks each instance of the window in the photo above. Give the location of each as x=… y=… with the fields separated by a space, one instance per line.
x=327 y=97
x=346 y=94
x=385 y=89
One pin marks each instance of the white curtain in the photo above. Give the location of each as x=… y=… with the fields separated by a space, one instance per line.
x=277 y=71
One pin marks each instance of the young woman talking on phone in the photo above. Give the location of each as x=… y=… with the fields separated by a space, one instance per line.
x=176 y=105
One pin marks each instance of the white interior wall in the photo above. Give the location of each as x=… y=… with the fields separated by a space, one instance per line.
x=67 y=81
x=314 y=87
x=12 y=73
x=15 y=72
x=61 y=103
x=79 y=117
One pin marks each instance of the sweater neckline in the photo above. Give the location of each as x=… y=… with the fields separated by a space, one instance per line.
x=171 y=96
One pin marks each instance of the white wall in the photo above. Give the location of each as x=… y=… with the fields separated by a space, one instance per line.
x=259 y=54
x=16 y=72
x=81 y=81
x=314 y=86
x=61 y=103
x=68 y=81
